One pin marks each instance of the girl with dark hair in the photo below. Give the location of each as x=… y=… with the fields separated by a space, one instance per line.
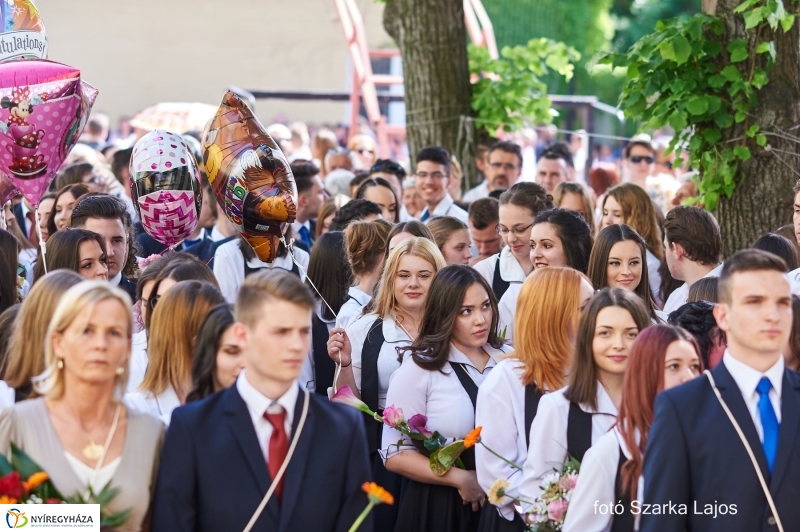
x=697 y=318
x=456 y=347
x=364 y=243
x=218 y=358
x=662 y=357
x=558 y=237
x=780 y=246
x=73 y=249
x=379 y=191
x=405 y=230
x=452 y=237
x=519 y=206
x=791 y=353
x=9 y=260
x=618 y=260
x=329 y=274
x=572 y=419
x=61 y=214
x=235 y=260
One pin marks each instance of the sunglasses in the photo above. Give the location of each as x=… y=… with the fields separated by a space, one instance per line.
x=636 y=159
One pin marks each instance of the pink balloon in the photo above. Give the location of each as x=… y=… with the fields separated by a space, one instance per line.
x=44 y=107
x=7 y=189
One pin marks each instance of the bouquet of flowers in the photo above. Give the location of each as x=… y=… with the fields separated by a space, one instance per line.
x=548 y=511
x=430 y=443
x=23 y=481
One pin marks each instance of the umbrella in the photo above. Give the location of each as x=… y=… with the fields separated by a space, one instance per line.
x=175 y=117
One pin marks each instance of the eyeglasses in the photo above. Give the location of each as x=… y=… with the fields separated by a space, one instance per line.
x=153 y=300
x=518 y=231
x=365 y=151
x=636 y=159
x=505 y=166
x=422 y=176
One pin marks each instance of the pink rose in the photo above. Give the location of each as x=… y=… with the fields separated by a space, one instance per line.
x=392 y=417
x=418 y=423
x=568 y=482
x=556 y=510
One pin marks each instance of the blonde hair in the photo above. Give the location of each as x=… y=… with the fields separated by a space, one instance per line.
x=81 y=297
x=587 y=196
x=385 y=301
x=365 y=243
x=548 y=309
x=173 y=329
x=639 y=213
x=27 y=344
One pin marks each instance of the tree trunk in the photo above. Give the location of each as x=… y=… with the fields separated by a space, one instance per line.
x=762 y=200
x=432 y=39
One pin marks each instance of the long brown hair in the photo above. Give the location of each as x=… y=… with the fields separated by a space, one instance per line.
x=582 y=388
x=547 y=313
x=638 y=212
x=644 y=378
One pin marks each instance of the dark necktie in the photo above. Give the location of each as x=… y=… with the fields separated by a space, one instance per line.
x=425 y=215
x=769 y=422
x=305 y=237
x=278 y=446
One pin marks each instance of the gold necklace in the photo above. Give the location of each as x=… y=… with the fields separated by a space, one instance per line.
x=94 y=451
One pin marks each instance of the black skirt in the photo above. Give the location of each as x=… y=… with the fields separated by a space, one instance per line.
x=435 y=508
x=492 y=521
x=385 y=515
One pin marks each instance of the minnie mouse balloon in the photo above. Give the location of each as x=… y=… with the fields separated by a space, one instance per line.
x=165 y=186
x=249 y=175
x=22 y=34
x=44 y=107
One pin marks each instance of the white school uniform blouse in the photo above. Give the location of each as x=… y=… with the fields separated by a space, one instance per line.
x=501 y=413
x=229 y=266
x=510 y=270
x=387 y=357
x=548 y=448
x=437 y=395
x=446 y=207
x=506 y=310
x=356 y=299
x=159 y=406
x=596 y=483
x=138 y=364
x=654 y=278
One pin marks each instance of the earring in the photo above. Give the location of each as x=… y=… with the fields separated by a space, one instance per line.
x=120 y=370
x=60 y=363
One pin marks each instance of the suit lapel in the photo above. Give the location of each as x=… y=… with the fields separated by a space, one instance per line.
x=241 y=426
x=790 y=410
x=733 y=397
x=295 y=472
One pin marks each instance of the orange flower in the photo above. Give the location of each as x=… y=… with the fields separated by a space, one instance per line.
x=377 y=494
x=473 y=438
x=35 y=480
x=4 y=499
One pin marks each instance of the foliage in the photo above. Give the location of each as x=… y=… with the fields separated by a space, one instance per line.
x=633 y=19
x=511 y=90
x=679 y=76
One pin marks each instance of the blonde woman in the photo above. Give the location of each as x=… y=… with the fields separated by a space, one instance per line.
x=27 y=344
x=174 y=325
x=79 y=431
x=548 y=310
x=369 y=347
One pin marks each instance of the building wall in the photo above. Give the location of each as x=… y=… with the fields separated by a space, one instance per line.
x=140 y=52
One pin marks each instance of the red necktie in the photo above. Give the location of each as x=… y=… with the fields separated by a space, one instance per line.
x=33 y=236
x=278 y=446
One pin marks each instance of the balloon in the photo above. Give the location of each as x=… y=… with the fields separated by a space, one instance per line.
x=249 y=175
x=43 y=108
x=7 y=190
x=165 y=186
x=22 y=34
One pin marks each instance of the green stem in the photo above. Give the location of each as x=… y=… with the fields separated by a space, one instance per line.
x=361 y=517
x=503 y=458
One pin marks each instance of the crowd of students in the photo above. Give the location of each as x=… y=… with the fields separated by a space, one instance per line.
x=549 y=317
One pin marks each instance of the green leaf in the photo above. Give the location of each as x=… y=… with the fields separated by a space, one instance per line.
x=448 y=455
x=762 y=48
x=678 y=121
x=744 y=6
x=716 y=81
x=667 y=50
x=742 y=152
x=731 y=73
x=682 y=49
x=761 y=140
x=712 y=135
x=752 y=130
x=738 y=50
x=712 y=48
x=759 y=79
x=697 y=105
x=723 y=120
x=739 y=117
x=787 y=22
x=753 y=18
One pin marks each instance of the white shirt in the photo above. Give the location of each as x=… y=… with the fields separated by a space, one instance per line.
x=794 y=280
x=351 y=310
x=216 y=235
x=437 y=395
x=510 y=270
x=138 y=364
x=159 y=406
x=446 y=207
x=653 y=264
x=229 y=266
x=257 y=404
x=479 y=192
x=596 y=483
x=96 y=479
x=7 y=396
x=506 y=310
x=747 y=379
x=548 y=448
x=679 y=296
x=114 y=281
x=394 y=337
x=501 y=413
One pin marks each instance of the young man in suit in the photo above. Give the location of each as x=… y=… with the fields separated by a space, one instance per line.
x=221 y=454
x=698 y=475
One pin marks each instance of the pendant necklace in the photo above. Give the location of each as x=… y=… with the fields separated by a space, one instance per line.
x=94 y=451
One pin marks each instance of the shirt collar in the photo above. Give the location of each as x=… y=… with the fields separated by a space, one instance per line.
x=747 y=378
x=392 y=332
x=715 y=272
x=604 y=403
x=362 y=298
x=216 y=236
x=443 y=207
x=257 y=403
x=114 y=281
x=510 y=270
x=495 y=355
x=284 y=262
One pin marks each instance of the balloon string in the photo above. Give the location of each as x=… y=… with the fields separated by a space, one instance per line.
x=290 y=249
x=42 y=244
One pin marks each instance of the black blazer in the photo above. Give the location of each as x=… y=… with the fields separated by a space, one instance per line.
x=20 y=218
x=207 y=248
x=129 y=287
x=694 y=457
x=212 y=473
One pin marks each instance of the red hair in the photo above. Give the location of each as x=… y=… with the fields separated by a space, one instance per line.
x=644 y=378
